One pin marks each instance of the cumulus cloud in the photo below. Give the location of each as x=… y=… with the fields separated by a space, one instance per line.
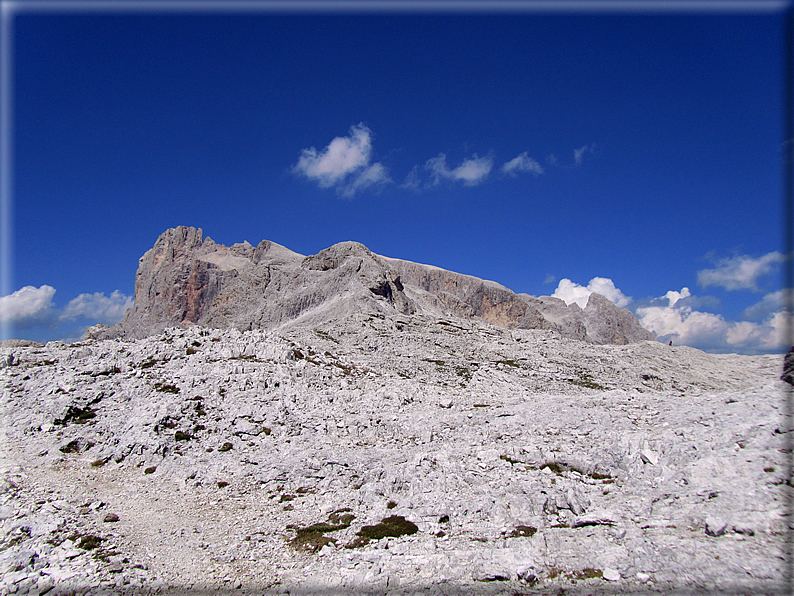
x=97 y=306
x=673 y=296
x=28 y=306
x=578 y=154
x=344 y=163
x=679 y=322
x=740 y=272
x=522 y=163
x=572 y=292
x=33 y=307
x=471 y=171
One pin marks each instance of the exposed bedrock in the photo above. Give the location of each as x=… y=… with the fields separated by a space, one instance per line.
x=186 y=279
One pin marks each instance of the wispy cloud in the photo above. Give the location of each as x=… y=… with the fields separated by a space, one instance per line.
x=33 y=307
x=344 y=163
x=412 y=180
x=572 y=292
x=374 y=175
x=740 y=272
x=768 y=305
x=578 y=154
x=471 y=171
x=522 y=163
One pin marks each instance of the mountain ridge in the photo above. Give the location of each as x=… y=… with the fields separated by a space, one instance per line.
x=186 y=279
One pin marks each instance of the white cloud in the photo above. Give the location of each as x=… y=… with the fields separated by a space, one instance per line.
x=549 y=279
x=33 y=307
x=740 y=272
x=522 y=163
x=98 y=307
x=578 y=154
x=27 y=306
x=674 y=296
x=707 y=331
x=471 y=171
x=344 y=163
x=572 y=292
x=769 y=304
x=683 y=325
x=374 y=175
x=412 y=180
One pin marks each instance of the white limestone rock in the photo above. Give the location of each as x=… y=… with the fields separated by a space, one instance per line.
x=535 y=474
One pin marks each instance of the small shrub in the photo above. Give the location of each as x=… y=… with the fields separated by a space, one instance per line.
x=523 y=531
x=166 y=388
x=222 y=484
x=71 y=447
x=312 y=538
x=89 y=542
x=587 y=573
x=494 y=578
x=226 y=447
x=182 y=436
x=512 y=363
x=150 y=470
x=76 y=415
x=389 y=527
x=311 y=541
x=391 y=505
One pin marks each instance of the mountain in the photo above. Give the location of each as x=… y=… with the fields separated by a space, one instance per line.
x=186 y=279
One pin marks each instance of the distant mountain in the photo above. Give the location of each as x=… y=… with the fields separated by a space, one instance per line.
x=185 y=279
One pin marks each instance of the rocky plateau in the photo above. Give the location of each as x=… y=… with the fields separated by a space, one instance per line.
x=267 y=423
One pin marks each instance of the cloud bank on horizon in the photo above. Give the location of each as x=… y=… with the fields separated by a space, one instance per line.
x=673 y=317
x=31 y=307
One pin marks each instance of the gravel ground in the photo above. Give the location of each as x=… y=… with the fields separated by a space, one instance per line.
x=399 y=456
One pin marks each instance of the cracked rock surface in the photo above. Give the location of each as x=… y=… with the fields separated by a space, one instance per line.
x=400 y=455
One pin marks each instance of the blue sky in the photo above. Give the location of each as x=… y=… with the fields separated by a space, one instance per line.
x=634 y=153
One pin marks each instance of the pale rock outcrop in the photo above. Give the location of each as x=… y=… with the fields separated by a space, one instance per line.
x=186 y=279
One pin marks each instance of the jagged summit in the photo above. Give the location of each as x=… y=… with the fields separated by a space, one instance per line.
x=186 y=279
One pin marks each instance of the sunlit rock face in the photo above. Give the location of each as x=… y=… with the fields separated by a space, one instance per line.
x=186 y=279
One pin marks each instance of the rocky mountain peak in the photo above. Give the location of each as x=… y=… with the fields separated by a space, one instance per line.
x=185 y=279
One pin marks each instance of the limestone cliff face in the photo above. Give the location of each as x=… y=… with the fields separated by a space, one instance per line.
x=185 y=279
